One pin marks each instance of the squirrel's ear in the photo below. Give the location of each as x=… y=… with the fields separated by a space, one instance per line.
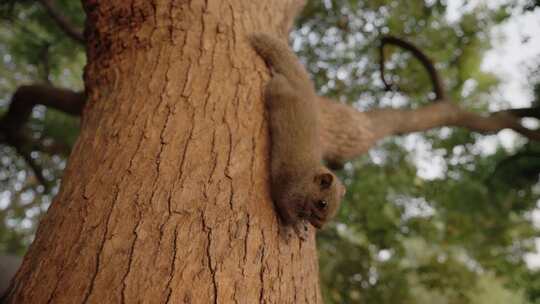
x=324 y=180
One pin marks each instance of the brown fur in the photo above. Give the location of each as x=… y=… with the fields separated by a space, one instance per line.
x=302 y=188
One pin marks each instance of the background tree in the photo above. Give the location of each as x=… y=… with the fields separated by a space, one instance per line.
x=400 y=235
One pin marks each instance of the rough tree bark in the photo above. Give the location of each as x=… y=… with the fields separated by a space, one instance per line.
x=165 y=198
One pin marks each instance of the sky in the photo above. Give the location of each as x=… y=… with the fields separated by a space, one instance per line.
x=516 y=45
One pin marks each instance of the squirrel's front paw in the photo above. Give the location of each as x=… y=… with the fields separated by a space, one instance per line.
x=302 y=229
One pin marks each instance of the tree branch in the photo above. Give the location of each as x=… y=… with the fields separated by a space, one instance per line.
x=28 y=96
x=62 y=21
x=347 y=133
x=533 y=112
x=20 y=108
x=438 y=85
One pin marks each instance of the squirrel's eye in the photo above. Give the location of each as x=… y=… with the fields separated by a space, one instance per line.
x=321 y=205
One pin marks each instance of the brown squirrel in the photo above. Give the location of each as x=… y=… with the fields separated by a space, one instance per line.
x=302 y=188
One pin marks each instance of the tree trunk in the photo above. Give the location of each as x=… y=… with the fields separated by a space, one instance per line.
x=166 y=195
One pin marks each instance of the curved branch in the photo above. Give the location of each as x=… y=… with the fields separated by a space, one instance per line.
x=28 y=96
x=533 y=112
x=20 y=108
x=62 y=21
x=438 y=85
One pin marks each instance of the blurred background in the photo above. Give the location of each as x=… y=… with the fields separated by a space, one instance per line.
x=442 y=216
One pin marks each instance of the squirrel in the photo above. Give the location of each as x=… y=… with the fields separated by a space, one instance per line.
x=302 y=188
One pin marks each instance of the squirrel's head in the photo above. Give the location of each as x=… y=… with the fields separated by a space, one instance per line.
x=324 y=193
x=314 y=198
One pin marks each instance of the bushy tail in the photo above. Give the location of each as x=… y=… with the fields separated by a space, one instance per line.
x=279 y=56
